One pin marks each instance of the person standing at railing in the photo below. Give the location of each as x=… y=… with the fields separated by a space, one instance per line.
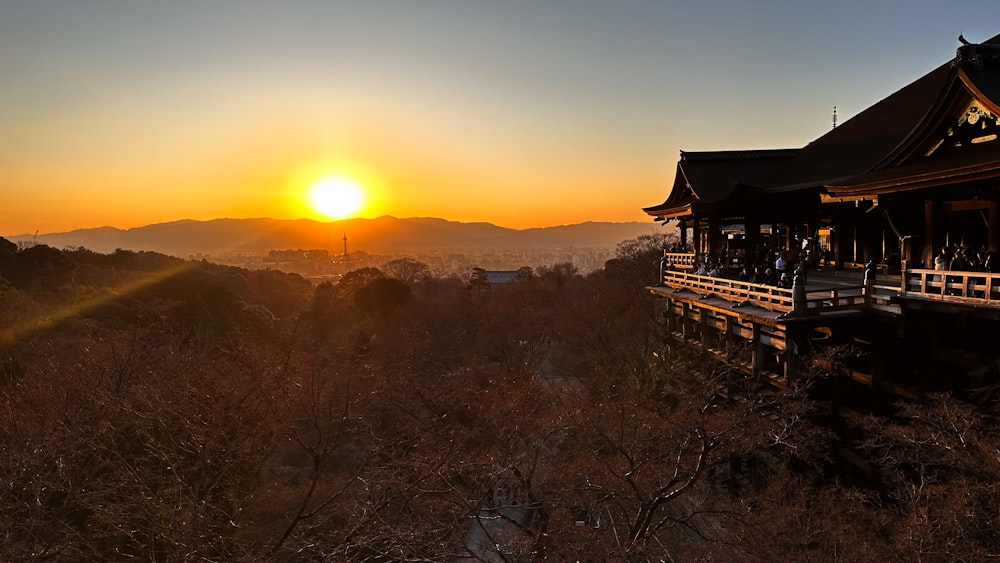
x=760 y=274
x=942 y=262
x=770 y=277
x=780 y=265
x=959 y=261
x=992 y=262
x=746 y=273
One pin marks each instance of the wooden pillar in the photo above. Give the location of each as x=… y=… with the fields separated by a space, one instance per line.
x=871 y=241
x=685 y=322
x=993 y=234
x=934 y=232
x=929 y=247
x=812 y=234
x=727 y=343
x=843 y=245
x=751 y=238
x=696 y=236
x=714 y=235
x=705 y=333
x=683 y=225
x=757 y=359
x=912 y=248
x=792 y=360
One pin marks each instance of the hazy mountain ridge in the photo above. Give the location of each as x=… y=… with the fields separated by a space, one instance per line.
x=382 y=235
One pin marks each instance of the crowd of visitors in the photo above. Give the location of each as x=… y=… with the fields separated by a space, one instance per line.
x=769 y=267
x=966 y=259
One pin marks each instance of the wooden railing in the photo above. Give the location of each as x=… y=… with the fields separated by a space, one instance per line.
x=680 y=260
x=846 y=297
x=967 y=287
x=766 y=296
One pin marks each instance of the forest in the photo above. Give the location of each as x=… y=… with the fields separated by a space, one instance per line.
x=160 y=409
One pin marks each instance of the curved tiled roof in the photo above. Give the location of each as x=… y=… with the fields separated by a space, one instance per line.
x=880 y=145
x=709 y=177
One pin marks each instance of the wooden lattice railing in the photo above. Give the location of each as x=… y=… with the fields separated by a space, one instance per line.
x=766 y=296
x=679 y=260
x=967 y=287
x=970 y=288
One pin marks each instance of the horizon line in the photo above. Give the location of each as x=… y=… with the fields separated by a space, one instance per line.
x=309 y=219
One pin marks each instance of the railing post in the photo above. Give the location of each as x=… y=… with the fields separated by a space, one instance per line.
x=799 y=295
x=869 y=282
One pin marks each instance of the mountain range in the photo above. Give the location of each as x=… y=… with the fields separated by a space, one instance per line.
x=382 y=235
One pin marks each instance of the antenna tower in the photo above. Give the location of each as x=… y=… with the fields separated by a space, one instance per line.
x=345 y=245
x=834 y=117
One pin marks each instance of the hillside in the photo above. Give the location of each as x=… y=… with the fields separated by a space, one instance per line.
x=383 y=235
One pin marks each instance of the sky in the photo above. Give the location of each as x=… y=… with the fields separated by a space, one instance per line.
x=521 y=113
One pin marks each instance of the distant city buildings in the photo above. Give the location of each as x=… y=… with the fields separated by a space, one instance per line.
x=321 y=263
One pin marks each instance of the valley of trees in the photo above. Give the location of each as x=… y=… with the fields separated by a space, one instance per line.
x=159 y=409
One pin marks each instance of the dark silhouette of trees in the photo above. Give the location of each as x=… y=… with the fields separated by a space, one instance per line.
x=407 y=270
x=356 y=279
x=380 y=297
x=479 y=280
x=558 y=273
x=161 y=409
x=645 y=252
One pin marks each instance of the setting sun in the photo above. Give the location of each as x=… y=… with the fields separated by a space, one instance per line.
x=336 y=198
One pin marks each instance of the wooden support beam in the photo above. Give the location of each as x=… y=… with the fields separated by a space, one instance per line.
x=714 y=235
x=758 y=352
x=793 y=361
x=934 y=232
x=993 y=238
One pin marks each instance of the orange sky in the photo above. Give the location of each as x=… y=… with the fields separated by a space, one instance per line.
x=520 y=114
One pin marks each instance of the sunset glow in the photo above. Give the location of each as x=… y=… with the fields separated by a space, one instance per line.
x=336 y=198
x=225 y=111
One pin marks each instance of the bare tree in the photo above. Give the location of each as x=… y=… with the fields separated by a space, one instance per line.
x=406 y=270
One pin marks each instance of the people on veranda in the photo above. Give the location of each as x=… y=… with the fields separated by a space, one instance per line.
x=942 y=262
x=761 y=274
x=992 y=262
x=780 y=265
x=959 y=261
x=770 y=277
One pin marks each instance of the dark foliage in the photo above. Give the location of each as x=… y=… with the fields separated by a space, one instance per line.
x=161 y=409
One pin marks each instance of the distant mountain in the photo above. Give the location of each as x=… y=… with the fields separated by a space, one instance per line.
x=383 y=235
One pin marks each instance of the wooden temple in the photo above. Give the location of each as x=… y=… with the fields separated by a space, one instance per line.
x=889 y=225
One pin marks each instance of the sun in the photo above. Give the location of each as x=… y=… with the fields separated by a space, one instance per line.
x=336 y=197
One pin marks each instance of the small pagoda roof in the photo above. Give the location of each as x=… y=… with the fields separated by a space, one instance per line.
x=706 y=178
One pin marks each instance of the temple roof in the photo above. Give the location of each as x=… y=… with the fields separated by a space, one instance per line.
x=905 y=141
x=863 y=141
x=705 y=178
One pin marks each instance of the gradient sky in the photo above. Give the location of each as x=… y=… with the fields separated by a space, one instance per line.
x=522 y=113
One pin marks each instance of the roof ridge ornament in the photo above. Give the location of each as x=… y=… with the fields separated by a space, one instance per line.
x=976 y=124
x=976 y=56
